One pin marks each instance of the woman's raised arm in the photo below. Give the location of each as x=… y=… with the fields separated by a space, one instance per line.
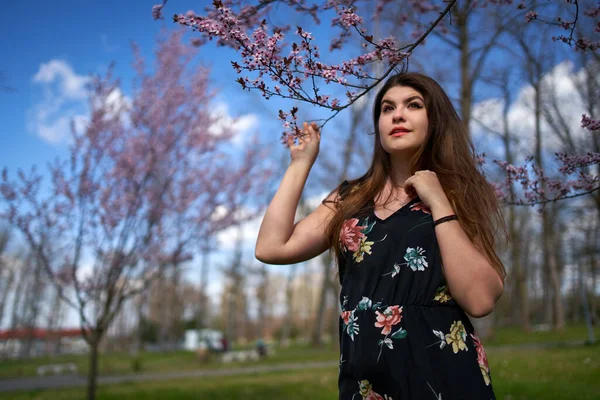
x=280 y=241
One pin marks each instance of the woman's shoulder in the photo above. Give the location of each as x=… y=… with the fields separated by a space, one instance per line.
x=341 y=192
x=349 y=186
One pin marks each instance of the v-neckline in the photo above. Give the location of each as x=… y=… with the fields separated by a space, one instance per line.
x=384 y=220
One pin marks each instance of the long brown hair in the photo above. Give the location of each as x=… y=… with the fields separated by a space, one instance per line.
x=449 y=152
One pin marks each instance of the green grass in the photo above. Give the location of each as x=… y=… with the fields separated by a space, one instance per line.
x=563 y=373
x=515 y=336
x=545 y=374
x=123 y=363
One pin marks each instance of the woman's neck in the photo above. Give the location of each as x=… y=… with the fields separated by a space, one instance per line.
x=400 y=172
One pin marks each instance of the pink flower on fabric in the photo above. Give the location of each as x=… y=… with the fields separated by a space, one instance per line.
x=350 y=235
x=390 y=317
x=346 y=316
x=420 y=206
x=365 y=389
x=373 y=396
x=481 y=357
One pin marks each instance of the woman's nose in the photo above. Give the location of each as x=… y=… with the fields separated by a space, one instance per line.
x=398 y=115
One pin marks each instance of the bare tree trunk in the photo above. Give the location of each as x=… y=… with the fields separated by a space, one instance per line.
x=289 y=291
x=164 y=310
x=7 y=286
x=31 y=307
x=521 y=278
x=20 y=290
x=93 y=366
x=174 y=308
x=553 y=297
x=316 y=337
x=519 y=272
x=594 y=239
x=236 y=275
x=466 y=87
x=7 y=274
x=202 y=320
x=54 y=320
x=139 y=341
x=549 y=261
x=262 y=301
x=335 y=321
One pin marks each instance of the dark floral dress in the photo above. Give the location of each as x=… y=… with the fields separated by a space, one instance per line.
x=402 y=336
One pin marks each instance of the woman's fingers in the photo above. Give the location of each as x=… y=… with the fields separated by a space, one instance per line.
x=314 y=131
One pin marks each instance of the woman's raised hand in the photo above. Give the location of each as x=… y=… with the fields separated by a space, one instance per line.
x=307 y=148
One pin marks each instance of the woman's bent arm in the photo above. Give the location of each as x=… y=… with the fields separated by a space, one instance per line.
x=280 y=241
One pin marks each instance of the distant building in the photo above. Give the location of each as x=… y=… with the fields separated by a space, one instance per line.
x=36 y=342
x=203 y=339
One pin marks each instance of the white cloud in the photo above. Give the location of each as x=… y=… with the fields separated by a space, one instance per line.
x=72 y=86
x=241 y=126
x=62 y=100
x=521 y=115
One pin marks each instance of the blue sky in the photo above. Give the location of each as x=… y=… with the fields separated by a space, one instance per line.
x=85 y=35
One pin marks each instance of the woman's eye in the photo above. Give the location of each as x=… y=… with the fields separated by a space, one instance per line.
x=414 y=105
x=387 y=108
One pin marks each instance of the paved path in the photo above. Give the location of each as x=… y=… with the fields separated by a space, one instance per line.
x=69 y=381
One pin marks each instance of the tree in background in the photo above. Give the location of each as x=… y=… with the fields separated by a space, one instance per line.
x=102 y=228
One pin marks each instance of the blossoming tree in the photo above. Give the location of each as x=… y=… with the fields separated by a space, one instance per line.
x=138 y=165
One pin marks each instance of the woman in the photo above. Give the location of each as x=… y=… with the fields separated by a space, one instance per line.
x=414 y=240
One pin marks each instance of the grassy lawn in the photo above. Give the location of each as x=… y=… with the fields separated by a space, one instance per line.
x=124 y=363
x=515 y=336
x=548 y=374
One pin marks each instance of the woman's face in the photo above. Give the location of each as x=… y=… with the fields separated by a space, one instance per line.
x=403 y=121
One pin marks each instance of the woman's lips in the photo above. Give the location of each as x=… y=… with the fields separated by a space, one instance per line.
x=399 y=132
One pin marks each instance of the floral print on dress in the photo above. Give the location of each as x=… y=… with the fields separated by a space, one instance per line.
x=481 y=359
x=350 y=323
x=350 y=317
x=442 y=294
x=387 y=319
x=364 y=247
x=353 y=237
x=365 y=389
x=457 y=337
x=391 y=316
x=414 y=258
x=378 y=313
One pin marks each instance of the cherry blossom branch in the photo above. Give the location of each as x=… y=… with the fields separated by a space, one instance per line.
x=561 y=188
x=581 y=43
x=263 y=54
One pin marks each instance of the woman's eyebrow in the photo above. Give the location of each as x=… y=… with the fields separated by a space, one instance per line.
x=407 y=100
x=414 y=97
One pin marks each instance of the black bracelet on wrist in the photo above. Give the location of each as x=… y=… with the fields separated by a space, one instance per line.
x=445 y=219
